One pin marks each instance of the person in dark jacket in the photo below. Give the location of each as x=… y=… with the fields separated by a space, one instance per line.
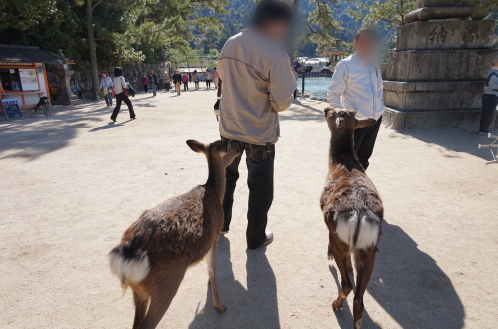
x=153 y=82
x=177 y=81
x=145 y=82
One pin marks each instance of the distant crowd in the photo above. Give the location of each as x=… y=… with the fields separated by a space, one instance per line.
x=176 y=80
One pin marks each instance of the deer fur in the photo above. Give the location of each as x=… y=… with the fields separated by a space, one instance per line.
x=157 y=249
x=43 y=102
x=352 y=209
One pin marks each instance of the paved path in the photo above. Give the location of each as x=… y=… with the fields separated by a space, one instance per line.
x=71 y=183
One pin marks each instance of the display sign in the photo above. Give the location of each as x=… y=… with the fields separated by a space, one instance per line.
x=29 y=79
x=11 y=108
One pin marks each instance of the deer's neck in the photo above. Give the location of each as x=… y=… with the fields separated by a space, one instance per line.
x=342 y=152
x=216 y=178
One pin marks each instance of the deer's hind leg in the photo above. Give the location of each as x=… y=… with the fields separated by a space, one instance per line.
x=211 y=260
x=162 y=291
x=340 y=252
x=364 y=261
x=141 y=303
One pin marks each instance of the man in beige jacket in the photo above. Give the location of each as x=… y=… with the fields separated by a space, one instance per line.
x=257 y=84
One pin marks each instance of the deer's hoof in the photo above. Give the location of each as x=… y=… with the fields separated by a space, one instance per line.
x=357 y=324
x=221 y=309
x=329 y=255
x=336 y=305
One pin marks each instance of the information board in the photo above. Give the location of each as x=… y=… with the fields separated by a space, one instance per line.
x=29 y=79
x=11 y=108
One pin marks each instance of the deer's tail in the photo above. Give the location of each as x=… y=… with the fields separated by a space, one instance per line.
x=358 y=228
x=129 y=264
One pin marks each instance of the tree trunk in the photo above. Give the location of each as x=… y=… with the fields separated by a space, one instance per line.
x=93 y=51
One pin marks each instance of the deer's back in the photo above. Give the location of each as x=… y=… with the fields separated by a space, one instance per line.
x=348 y=190
x=181 y=228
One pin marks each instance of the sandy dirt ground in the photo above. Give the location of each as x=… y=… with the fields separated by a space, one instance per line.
x=71 y=184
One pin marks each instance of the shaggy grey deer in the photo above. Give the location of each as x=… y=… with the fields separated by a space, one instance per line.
x=157 y=249
x=352 y=209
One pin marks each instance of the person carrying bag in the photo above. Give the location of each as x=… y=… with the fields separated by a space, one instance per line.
x=122 y=94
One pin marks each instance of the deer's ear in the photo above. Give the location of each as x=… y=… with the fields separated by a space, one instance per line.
x=328 y=110
x=365 y=122
x=196 y=146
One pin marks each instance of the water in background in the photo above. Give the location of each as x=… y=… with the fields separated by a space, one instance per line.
x=316 y=86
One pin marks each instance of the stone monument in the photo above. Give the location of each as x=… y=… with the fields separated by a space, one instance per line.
x=435 y=78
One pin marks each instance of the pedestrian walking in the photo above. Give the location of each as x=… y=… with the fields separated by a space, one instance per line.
x=106 y=86
x=189 y=77
x=209 y=79
x=357 y=85
x=153 y=82
x=177 y=81
x=121 y=91
x=195 y=77
x=489 y=100
x=215 y=78
x=257 y=84
x=185 y=81
x=145 y=83
x=166 y=81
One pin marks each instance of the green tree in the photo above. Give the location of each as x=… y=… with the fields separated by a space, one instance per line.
x=391 y=12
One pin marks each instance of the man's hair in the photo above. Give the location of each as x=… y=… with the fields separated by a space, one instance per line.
x=118 y=72
x=365 y=30
x=271 y=10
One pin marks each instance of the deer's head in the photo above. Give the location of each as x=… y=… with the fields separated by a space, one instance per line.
x=222 y=152
x=345 y=120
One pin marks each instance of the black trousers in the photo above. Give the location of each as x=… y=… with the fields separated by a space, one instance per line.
x=166 y=86
x=364 y=142
x=119 y=99
x=260 y=164
x=146 y=88
x=185 y=86
x=489 y=103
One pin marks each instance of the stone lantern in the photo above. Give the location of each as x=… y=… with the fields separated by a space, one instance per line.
x=435 y=78
x=336 y=53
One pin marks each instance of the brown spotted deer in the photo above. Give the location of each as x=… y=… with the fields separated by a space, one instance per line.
x=157 y=249
x=352 y=209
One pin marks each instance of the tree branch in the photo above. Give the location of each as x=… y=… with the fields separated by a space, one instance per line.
x=96 y=4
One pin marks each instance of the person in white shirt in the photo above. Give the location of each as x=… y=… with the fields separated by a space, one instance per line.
x=357 y=85
x=120 y=88
x=105 y=87
x=489 y=99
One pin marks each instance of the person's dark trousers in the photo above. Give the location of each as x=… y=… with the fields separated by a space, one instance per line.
x=489 y=103
x=185 y=86
x=146 y=88
x=295 y=94
x=260 y=163
x=364 y=142
x=166 y=87
x=119 y=99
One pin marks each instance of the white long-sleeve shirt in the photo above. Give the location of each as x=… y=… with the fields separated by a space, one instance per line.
x=491 y=85
x=357 y=85
x=119 y=84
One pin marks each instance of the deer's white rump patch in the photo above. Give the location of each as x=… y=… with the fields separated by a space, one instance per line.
x=129 y=270
x=368 y=234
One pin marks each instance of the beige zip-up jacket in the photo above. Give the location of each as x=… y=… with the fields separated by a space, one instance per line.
x=257 y=84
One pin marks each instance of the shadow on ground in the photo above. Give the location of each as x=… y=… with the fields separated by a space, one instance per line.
x=415 y=292
x=450 y=139
x=36 y=134
x=254 y=307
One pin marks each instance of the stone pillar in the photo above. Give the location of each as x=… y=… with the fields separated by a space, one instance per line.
x=64 y=74
x=435 y=78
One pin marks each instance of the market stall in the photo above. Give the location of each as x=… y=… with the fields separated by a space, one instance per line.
x=23 y=75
